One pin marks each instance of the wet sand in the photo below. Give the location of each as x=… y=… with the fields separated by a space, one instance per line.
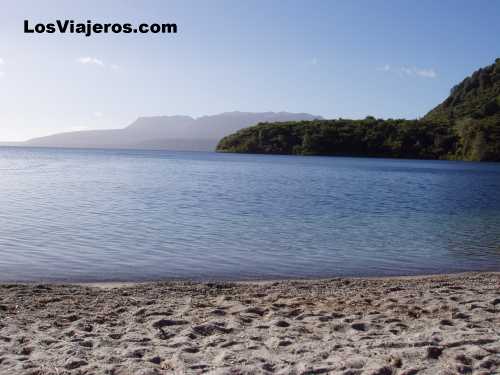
x=447 y=324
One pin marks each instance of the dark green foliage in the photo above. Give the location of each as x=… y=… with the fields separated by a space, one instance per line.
x=472 y=111
x=368 y=137
x=477 y=96
x=465 y=126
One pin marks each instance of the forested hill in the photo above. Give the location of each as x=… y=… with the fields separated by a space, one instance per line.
x=465 y=126
x=473 y=113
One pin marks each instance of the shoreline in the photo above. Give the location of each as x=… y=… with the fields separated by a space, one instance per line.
x=130 y=283
x=404 y=325
x=125 y=284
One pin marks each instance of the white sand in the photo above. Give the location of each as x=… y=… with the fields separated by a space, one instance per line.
x=414 y=325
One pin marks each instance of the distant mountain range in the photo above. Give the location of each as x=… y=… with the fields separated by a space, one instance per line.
x=167 y=132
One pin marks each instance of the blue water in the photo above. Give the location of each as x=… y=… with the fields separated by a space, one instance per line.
x=95 y=215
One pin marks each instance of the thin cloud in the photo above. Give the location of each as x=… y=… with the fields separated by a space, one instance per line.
x=313 y=61
x=87 y=60
x=414 y=71
x=429 y=73
x=2 y=73
x=98 y=114
x=410 y=71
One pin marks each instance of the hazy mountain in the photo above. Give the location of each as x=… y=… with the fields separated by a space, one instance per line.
x=10 y=144
x=168 y=132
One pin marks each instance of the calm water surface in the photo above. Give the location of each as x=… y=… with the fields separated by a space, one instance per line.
x=95 y=215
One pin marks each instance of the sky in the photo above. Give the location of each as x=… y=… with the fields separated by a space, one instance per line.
x=334 y=58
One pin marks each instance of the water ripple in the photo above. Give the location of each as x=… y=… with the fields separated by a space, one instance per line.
x=88 y=215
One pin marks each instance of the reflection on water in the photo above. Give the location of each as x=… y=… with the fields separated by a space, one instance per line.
x=134 y=215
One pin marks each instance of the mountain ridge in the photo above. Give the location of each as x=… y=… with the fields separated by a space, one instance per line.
x=175 y=132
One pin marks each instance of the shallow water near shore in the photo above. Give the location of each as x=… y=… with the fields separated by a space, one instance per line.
x=111 y=215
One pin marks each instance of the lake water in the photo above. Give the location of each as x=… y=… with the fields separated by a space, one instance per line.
x=96 y=215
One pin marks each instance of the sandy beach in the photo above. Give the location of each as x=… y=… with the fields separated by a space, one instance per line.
x=446 y=324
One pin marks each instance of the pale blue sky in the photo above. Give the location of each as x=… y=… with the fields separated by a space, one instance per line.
x=331 y=58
